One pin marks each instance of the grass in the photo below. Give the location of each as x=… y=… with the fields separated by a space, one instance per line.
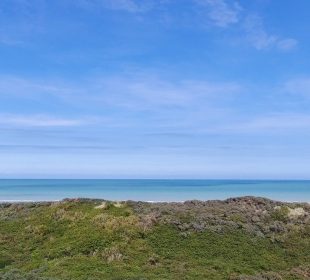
x=74 y=240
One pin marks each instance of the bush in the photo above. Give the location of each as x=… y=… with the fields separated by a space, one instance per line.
x=16 y=274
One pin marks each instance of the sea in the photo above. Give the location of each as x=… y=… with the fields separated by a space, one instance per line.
x=14 y=190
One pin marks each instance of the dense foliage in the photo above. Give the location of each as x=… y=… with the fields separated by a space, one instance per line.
x=245 y=238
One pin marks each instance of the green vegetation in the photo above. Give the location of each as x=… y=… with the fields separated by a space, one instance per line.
x=244 y=238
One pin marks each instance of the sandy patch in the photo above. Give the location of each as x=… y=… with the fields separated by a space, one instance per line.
x=296 y=212
x=118 y=204
x=103 y=205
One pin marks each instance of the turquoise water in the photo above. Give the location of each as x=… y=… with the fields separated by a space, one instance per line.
x=152 y=190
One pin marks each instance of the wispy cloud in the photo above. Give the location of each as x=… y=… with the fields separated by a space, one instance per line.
x=298 y=86
x=165 y=103
x=287 y=44
x=62 y=148
x=148 y=91
x=38 y=121
x=131 y=6
x=258 y=36
x=272 y=123
x=224 y=14
x=137 y=101
x=256 y=33
x=220 y=12
x=34 y=88
x=137 y=90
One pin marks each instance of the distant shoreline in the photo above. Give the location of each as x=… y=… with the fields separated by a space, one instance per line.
x=148 y=201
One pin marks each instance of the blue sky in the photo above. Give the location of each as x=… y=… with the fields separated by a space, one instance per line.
x=154 y=89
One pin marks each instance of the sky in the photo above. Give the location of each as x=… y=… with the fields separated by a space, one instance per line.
x=155 y=89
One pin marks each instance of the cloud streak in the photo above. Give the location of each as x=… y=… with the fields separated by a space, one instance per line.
x=225 y=14
x=131 y=6
x=298 y=86
x=136 y=101
x=220 y=12
x=153 y=91
x=260 y=39
x=124 y=90
x=21 y=86
x=272 y=123
x=38 y=121
x=155 y=103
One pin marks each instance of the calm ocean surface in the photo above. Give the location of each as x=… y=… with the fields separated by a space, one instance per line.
x=152 y=190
